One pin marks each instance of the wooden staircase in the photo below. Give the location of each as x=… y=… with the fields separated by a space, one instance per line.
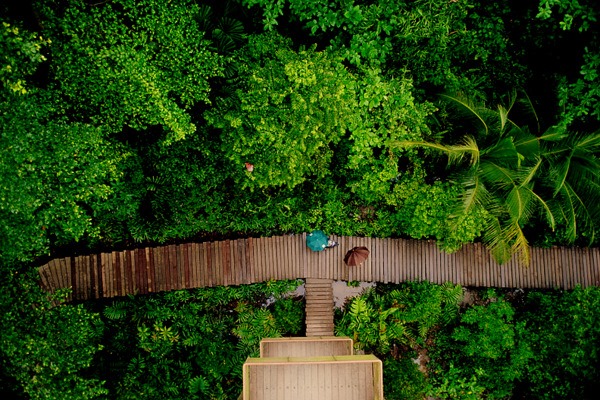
x=319 y=307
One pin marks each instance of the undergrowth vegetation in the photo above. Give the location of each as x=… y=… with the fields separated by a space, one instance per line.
x=500 y=344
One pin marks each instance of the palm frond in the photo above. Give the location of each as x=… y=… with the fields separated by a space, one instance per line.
x=518 y=241
x=528 y=106
x=497 y=176
x=545 y=206
x=519 y=204
x=589 y=143
x=455 y=153
x=553 y=134
x=558 y=174
x=526 y=144
x=526 y=175
x=470 y=106
x=495 y=240
x=503 y=113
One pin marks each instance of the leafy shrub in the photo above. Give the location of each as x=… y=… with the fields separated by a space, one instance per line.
x=189 y=343
x=563 y=331
x=402 y=379
x=486 y=344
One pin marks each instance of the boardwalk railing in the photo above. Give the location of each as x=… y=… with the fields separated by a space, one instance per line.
x=243 y=261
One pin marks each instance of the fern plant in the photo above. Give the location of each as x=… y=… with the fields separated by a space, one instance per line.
x=404 y=315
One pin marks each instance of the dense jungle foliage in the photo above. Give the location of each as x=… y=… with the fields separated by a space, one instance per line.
x=129 y=122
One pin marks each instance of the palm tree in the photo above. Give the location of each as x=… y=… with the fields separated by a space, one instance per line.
x=513 y=175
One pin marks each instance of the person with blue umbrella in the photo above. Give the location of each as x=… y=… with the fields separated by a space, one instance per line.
x=319 y=241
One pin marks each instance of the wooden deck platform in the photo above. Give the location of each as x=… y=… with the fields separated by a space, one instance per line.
x=309 y=378
x=235 y=262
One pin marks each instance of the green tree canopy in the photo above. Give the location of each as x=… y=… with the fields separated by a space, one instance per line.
x=132 y=63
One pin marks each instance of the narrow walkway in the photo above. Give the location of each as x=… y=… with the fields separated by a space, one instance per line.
x=243 y=261
x=319 y=307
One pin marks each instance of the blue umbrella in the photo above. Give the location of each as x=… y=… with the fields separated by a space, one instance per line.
x=316 y=241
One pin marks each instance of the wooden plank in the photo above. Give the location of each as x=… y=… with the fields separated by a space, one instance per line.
x=74 y=278
x=243 y=261
x=194 y=265
x=438 y=275
x=84 y=263
x=220 y=263
x=578 y=271
x=94 y=270
x=185 y=263
x=147 y=254
x=293 y=255
x=159 y=268
x=82 y=268
x=284 y=260
x=258 y=255
x=543 y=269
x=476 y=269
x=581 y=270
x=180 y=257
x=121 y=273
x=102 y=276
x=140 y=262
x=271 y=250
x=568 y=266
x=214 y=251
x=80 y=282
x=106 y=265
x=91 y=266
x=595 y=268
x=137 y=271
x=206 y=264
x=430 y=268
x=210 y=263
x=562 y=267
x=80 y=276
x=168 y=254
x=587 y=272
x=559 y=268
x=404 y=261
x=251 y=259
x=178 y=273
x=278 y=260
x=118 y=283
x=226 y=262
x=126 y=268
x=535 y=268
x=109 y=275
x=52 y=276
x=490 y=276
x=44 y=279
x=235 y=273
x=200 y=265
x=162 y=263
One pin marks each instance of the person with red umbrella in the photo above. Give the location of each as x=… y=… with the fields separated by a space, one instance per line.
x=356 y=256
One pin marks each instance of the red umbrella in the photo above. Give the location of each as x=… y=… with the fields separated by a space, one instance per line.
x=356 y=255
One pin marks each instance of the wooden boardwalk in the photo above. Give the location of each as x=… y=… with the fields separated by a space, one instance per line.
x=243 y=261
